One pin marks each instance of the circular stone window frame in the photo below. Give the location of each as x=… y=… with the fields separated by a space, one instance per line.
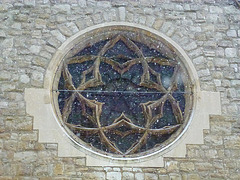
x=136 y=34
x=203 y=104
x=70 y=44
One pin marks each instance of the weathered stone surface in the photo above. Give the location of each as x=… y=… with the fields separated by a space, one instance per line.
x=158 y=23
x=203 y=166
x=163 y=177
x=37 y=78
x=213 y=139
x=32 y=31
x=229 y=73
x=122 y=13
x=232 y=142
x=114 y=176
x=26 y=157
x=150 y=176
x=174 y=176
x=82 y=3
x=172 y=166
x=203 y=73
x=235 y=83
x=61 y=9
x=187 y=166
x=24 y=79
x=127 y=175
x=139 y=176
x=220 y=62
x=232 y=33
x=93 y=176
x=35 y=49
x=190 y=46
x=231 y=52
x=58 y=169
x=29 y=2
x=199 y=60
x=7 y=43
x=80 y=162
x=214 y=9
x=193 y=176
x=58 y=35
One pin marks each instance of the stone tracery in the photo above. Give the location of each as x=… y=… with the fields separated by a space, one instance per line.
x=153 y=110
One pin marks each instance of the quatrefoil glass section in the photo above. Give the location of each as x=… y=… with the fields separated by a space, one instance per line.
x=123 y=93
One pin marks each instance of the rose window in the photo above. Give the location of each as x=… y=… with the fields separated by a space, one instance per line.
x=123 y=94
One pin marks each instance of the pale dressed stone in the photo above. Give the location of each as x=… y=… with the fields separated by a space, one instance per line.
x=127 y=175
x=27 y=156
x=139 y=176
x=199 y=60
x=193 y=177
x=72 y=27
x=114 y=176
x=80 y=161
x=7 y=43
x=211 y=153
x=219 y=127
x=204 y=72
x=142 y=19
x=151 y=176
x=5 y=75
x=37 y=76
x=158 y=23
x=221 y=62
x=235 y=83
x=213 y=139
x=217 y=82
x=122 y=13
x=93 y=176
x=104 y=4
x=35 y=49
x=4 y=7
x=40 y=23
x=24 y=79
x=150 y=20
x=187 y=166
x=175 y=176
x=232 y=33
x=171 y=166
x=82 y=3
x=29 y=2
x=215 y=9
x=229 y=73
x=190 y=46
x=58 y=35
x=147 y=2
x=3 y=104
x=2 y=34
x=231 y=52
x=65 y=30
x=232 y=142
x=231 y=93
x=116 y=169
x=61 y=9
x=163 y=177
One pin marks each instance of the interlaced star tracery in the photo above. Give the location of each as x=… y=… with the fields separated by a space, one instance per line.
x=91 y=110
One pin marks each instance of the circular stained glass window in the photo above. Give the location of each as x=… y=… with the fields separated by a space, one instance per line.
x=123 y=92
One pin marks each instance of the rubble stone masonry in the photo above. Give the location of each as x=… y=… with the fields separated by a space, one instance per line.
x=32 y=30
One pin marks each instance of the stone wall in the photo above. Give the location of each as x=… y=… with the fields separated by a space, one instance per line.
x=30 y=33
